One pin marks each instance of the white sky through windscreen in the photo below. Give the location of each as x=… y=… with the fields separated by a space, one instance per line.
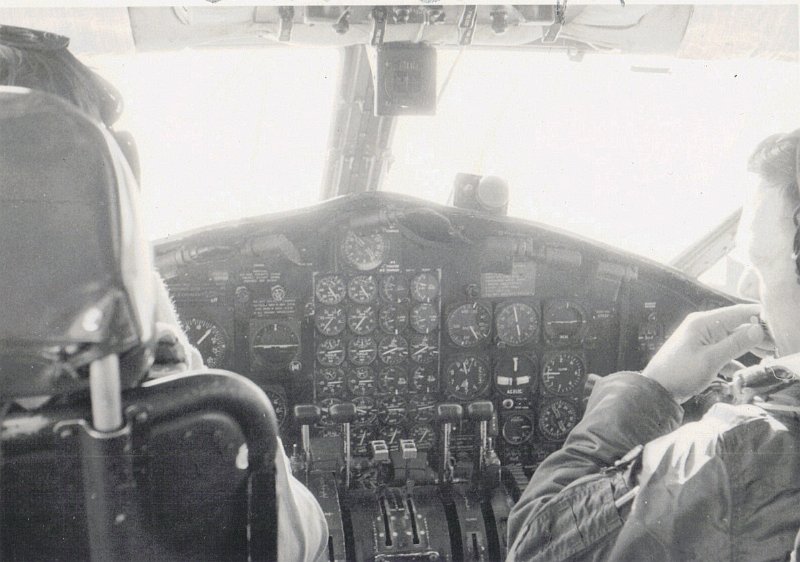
x=645 y=160
x=225 y=134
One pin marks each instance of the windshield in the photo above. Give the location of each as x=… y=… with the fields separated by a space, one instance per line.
x=643 y=153
x=224 y=134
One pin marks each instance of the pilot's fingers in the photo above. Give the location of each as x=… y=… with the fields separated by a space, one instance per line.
x=728 y=318
x=742 y=340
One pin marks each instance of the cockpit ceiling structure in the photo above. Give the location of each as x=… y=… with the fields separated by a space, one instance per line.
x=684 y=31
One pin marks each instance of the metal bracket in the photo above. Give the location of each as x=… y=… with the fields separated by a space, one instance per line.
x=287 y=21
x=466 y=24
x=379 y=16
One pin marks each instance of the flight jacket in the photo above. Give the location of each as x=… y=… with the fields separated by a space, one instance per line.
x=632 y=483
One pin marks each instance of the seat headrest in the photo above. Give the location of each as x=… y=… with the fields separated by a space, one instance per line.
x=78 y=280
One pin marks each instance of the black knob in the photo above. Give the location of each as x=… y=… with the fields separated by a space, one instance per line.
x=480 y=411
x=307 y=414
x=449 y=413
x=343 y=413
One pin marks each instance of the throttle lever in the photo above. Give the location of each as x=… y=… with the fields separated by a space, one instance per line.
x=345 y=414
x=447 y=414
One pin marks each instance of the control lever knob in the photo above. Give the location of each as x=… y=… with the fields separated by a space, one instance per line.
x=480 y=411
x=344 y=412
x=449 y=413
x=307 y=414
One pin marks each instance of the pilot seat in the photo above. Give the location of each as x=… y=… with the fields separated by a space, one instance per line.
x=106 y=464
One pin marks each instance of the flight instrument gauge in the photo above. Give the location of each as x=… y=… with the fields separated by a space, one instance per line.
x=564 y=322
x=366 y=410
x=392 y=434
x=392 y=318
x=362 y=319
x=330 y=320
x=562 y=373
x=469 y=324
x=423 y=409
x=393 y=410
x=557 y=418
x=393 y=380
x=325 y=411
x=364 y=251
x=517 y=429
x=361 y=381
x=424 y=318
x=278 y=405
x=424 y=379
x=467 y=377
x=330 y=382
x=516 y=324
x=425 y=287
x=423 y=437
x=394 y=288
x=362 y=289
x=209 y=339
x=330 y=352
x=362 y=351
x=515 y=376
x=393 y=350
x=330 y=289
x=424 y=349
x=274 y=344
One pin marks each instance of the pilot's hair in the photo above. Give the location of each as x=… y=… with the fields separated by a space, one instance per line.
x=775 y=159
x=58 y=72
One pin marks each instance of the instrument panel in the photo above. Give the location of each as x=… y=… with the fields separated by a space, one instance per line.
x=397 y=305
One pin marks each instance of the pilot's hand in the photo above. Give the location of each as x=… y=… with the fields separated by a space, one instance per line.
x=702 y=345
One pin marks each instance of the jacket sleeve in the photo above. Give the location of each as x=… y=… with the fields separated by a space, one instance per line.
x=568 y=510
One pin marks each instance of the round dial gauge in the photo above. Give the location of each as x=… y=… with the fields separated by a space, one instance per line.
x=325 y=408
x=562 y=373
x=564 y=322
x=362 y=351
x=392 y=434
x=209 y=339
x=362 y=319
x=467 y=377
x=424 y=318
x=516 y=324
x=275 y=344
x=393 y=350
x=330 y=289
x=364 y=251
x=366 y=410
x=330 y=320
x=362 y=289
x=423 y=437
x=469 y=324
x=517 y=429
x=360 y=438
x=394 y=288
x=330 y=352
x=423 y=408
x=361 y=381
x=392 y=410
x=424 y=379
x=425 y=287
x=330 y=382
x=278 y=405
x=515 y=375
x=424 y=349
x=393 y=318
x=393 y=380
x=557 y=418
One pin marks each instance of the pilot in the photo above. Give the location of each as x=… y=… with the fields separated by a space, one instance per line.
x=41 y=61
x=631 y=483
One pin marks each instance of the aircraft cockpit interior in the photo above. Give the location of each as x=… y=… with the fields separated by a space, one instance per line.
x=414 y=303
